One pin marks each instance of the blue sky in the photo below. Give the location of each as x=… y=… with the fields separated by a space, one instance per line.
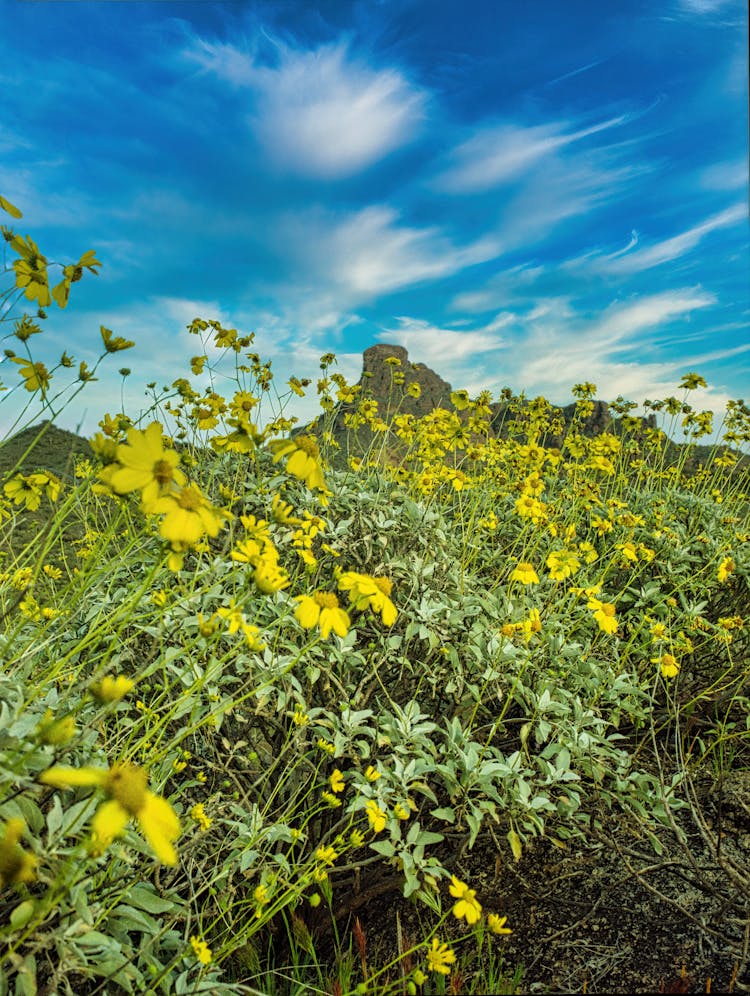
x=524 y=194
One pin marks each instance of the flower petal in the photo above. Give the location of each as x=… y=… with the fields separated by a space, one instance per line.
x=161 y=827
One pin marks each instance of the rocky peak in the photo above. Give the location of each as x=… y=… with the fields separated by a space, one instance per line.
x=377 y=381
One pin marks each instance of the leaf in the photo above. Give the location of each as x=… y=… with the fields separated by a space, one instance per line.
x=384 y=847
x=11 y=209
x=446 y=813
x=22 y=914
x=143 y=897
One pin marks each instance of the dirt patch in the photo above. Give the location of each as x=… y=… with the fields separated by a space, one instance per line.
x=606 y=914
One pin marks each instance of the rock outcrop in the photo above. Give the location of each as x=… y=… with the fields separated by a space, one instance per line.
x=377 y=381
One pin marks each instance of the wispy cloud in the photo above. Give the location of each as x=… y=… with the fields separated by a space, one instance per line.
x=707 y=6
x=505 y=152
x=320 y=113
x=549 y=348
x=445 y=348
x=627 y=262
x=730 y=175
x=370 y=253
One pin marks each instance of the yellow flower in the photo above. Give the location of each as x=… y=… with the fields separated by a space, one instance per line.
x=23 y=491
x=111 y=689
x=562 y=564
x=336 y=780
x=300 y=717
x=439 y=957
x=371 y=773
x=726 y=567
x=303 y=460
x=16 y=865
x=658 y=631
x=145 y=465
x=129 y=797
x=269 y=577
x=377 y=817
x=55 y=731
x=36 y=376
x=199 y=815
x=366 y=591
x=468 y=906
x=497 y=924
x=668 y=664
x=188 y=516
x=260 y=895
x=322 y=609
x=326 y=854
x=201 y=950
x=629 y=551
x=525 y=573
x=604 y=613
x=283 y=513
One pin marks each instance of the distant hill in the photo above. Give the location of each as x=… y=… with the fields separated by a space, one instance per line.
x=43 y=447
x=49 y=447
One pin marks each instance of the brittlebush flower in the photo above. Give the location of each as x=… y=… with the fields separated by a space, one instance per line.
x=16 y=865
x=111 y=689
x=199 y=815
x=375 y=815
x=36 y=376
x=440 y=957
x=497 y=924
x=269 y=577
x=726 y=567
x=55 y=732
x=188 y=516
x=604 y=613
x=126 y=785
x=668 y=664
x=303 y=460
x=525 y=573
x=370 y=592
x=201 y=950
x=322 y=610
x=146 y=466
x=468 y=906
x=562 y=564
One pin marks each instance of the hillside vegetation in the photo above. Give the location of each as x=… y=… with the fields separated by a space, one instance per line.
x=251 y=687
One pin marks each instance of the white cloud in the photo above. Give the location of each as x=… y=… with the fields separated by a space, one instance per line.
x=442 y=347
x=730 y=175
x=321 y=113
x=624 y=262
x=500 y=154
x=551 y=348
x=706 y=6
x=369 y=253
x=559 y=351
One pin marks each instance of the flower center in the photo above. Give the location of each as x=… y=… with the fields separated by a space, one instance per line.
x=385 y=585
x=326 y=600
x=190 y=498
x=162 y=471
x=127 y=784
x=308 y=445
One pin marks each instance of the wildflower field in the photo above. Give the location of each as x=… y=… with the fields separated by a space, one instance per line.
x=255 y=678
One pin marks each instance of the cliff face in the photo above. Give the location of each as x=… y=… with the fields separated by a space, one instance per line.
x=377 y=381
